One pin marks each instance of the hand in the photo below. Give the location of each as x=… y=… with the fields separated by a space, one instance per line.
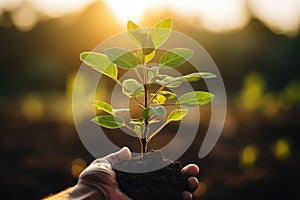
x=192 y=170
x=98 y=180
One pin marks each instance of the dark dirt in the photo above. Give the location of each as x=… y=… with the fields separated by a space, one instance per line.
x=163 y=184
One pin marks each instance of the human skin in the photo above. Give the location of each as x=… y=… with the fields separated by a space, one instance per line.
x=98 y=180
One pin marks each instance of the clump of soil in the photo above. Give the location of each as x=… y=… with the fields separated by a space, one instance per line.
x=163 y=184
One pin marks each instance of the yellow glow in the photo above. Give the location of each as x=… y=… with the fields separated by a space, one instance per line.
x=24 y=18
x=201 y=190
x=249 y=156
x=283 y=16
x=252 y=92
x=225 y=15
x=57 y=8
x=129 y=9
x=10 y=4
x=281 y=149
x=78 y=165
x=32 y=108
x=215 y=15
x=271 y=105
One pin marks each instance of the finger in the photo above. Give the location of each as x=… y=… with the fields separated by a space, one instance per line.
x=190 y=169
x=187 y=196
x=122 y=154
x=193 y=183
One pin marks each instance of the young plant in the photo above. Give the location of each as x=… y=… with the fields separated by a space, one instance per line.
x=144 y=90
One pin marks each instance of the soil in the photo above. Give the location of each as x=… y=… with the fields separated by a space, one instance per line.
x=163 y=184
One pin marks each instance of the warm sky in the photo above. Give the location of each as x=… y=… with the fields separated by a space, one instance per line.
x=282 y=16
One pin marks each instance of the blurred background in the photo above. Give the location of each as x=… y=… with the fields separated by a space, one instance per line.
x=255 y=44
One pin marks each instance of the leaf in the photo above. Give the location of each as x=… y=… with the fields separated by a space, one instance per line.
x=167 y=94
x=150 y=56
x=147 y=112
x=177 y=115
x=196 y=98
x=170 y=82
x=198 y=75
x=176 y=57
x=136 y=33
x=147 y=44
x=161 y=32
x=140 y=37
x=109 y=121
x=121 y=57
x=162 y=96
x=132 y=88
x=138 y=129
x=158 y=110
x=153 y=71
x=103 y=106
x=99 y=62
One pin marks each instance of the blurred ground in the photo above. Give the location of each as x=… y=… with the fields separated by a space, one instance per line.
x=257 y=156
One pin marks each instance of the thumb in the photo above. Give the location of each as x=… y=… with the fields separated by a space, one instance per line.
x=122 y=154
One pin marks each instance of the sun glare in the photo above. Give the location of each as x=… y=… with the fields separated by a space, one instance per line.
x=282 y=16
x=57 y=8
x=215 y=15
x=128 y=10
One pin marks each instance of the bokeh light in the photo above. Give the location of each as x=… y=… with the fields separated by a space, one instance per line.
x=248 y=156
x=32 y=107
x=78 y=165
x=281 y=149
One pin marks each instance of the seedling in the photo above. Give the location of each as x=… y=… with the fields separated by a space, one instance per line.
x=151 y=99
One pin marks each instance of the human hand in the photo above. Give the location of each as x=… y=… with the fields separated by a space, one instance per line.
x=98 y=180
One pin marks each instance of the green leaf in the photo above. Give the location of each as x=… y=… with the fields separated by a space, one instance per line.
x=158 y=110
x=177 y=115
x=147 y=44
x=132 y=88
x=136 y=33
x=167 y=94
x=161 y=32
x=150 y=56
x=138 y=129
x=122 y=57
x=196 y=98
x=152 y=72
x=170 y=82
x=175 y=57
x=162 y=96
x=140 y=37
x=147 y=112
x=109 y=121
x=198 y=75
x=103 y=106
x=99 y=62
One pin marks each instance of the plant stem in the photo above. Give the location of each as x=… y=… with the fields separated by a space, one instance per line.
x=154 y=96
x=157 y=131
x=144 y=145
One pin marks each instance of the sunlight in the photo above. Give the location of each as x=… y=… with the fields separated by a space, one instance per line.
x=128 y=10
x=216 y=15
x=282 y=16
x=57 y=8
